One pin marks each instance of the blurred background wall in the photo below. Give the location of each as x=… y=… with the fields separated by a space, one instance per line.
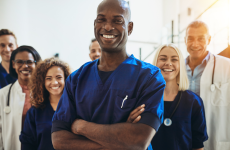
x=66 y=26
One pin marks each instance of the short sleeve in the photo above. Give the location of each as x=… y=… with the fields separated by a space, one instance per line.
x=199 y=130
x=28 y=135
x=152 y=97
x=66 y=110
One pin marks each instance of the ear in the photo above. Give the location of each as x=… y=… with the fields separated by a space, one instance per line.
x=130 y=28
x=209 y=39
x=94 y=22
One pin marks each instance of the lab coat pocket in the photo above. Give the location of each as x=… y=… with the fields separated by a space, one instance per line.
x=220 y=97
x=123 y=107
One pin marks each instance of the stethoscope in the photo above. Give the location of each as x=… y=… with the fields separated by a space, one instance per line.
x=7 y=109
x=213 y=72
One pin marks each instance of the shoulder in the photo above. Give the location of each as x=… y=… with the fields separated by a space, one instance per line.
x=5 y=90
x=31 y=113
x=143 y=66
x=74 y=75
x=192 y=97
x=222 y=59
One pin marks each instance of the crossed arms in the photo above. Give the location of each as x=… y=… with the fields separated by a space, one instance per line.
x=88 y=135
x=91 y=136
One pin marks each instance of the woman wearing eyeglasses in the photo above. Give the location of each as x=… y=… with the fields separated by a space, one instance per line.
x=15 y=98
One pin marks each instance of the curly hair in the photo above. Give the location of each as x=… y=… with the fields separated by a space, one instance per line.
x=39 y=94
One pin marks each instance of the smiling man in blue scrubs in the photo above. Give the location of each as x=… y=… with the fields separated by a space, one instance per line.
x=100 y=95
x=8 y=43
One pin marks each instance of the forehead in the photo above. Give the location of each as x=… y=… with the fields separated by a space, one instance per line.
x=200 y=31
x=24 y=56
x=94 y=44
x=54 y=71
x=7 y=39
x=113 y=8
x=168 y=51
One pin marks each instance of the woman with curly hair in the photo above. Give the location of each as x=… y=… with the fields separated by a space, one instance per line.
x=47 y=84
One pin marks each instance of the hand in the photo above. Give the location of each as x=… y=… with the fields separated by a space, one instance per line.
x=76 y=126
x=134 y=116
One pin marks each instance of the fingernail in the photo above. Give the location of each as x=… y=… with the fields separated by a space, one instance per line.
x=143 y=105
x=142 y=109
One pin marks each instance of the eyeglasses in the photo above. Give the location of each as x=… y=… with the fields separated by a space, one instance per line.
x=21 y=62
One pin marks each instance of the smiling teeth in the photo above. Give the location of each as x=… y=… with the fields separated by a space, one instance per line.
x=168 y=70
x=55 y=88
x=25 y=71
x=109 y=36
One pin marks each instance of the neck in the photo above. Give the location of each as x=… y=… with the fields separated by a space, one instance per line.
x=109 y=61
x=171 y=88
x=23 y=82
x=6 y=66
x=194 y=62
x=54 y=99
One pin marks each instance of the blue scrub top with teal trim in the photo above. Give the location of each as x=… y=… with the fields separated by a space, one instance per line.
x=86 y=97
x=188 y=130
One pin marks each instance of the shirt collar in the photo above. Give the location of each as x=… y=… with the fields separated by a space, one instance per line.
x=205 y=60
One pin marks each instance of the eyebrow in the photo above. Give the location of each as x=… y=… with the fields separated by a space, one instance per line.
x=166 y=56
x=116 y=16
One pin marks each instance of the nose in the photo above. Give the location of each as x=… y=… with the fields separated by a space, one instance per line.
x=7 y=48
x=168 y=63
x=54 y=81
x=195 y=43
x=24 y=64
x=98 y=53
x=108 y=26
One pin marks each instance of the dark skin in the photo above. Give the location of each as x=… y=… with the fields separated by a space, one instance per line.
x=112 y=28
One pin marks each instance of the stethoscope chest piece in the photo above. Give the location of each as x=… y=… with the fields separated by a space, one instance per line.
x=167 y=122
x=7 y=109
x=212 y=87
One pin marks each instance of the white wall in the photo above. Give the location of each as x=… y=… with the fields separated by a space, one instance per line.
x=66 y=27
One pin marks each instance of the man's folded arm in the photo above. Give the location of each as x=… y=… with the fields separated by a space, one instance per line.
x=64 y=139
x=125 y=136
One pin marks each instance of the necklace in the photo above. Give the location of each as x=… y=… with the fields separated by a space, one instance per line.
x=168 y=121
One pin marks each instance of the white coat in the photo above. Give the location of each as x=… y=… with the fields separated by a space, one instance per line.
x=217 y=103
x=11 y=123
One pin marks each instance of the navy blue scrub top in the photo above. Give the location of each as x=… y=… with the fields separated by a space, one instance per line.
x=5 y=78
x=188 y=129
x=36 y=133
x=86 y=97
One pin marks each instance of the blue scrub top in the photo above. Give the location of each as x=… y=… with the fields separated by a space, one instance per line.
x=36 y=133
x=188 y=129
x=86 y=97
x=5 y=78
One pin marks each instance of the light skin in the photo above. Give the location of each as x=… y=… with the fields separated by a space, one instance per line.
x=197 y=40
x=24 y=71
x=111 y=27
x=54 y=84
x=168 y=62
x=7 y=45
x=94 y=51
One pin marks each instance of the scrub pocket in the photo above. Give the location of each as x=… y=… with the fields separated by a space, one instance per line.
x=123 y=108
x=220 y=97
